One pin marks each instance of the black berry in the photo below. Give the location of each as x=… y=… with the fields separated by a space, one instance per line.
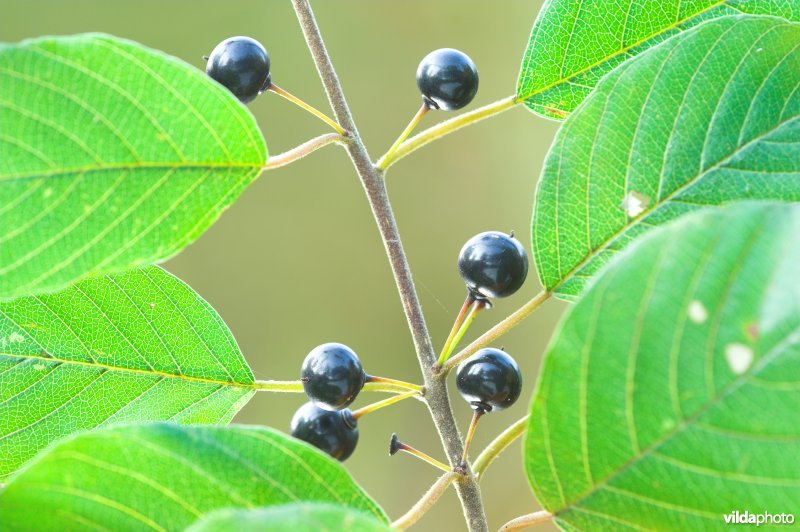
x=241 y=64
x=332 y=376
x=335 y=433
x=493 y=264
x=447 y=79
x=489 y=380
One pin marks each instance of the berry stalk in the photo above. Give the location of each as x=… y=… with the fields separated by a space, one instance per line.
x=477 y=306
x=457 y=324
x=449 y=126
x=313 y=110
x=498 y=330
x=476 y=416
x=405 y=134
x=382 y=404
x=297 y=387
x=393 y=382
x=396 y=445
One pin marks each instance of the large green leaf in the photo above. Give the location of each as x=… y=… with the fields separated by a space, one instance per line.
x=710 y=116
x=165 y=477
x=140 y=345
x=297 y=517
x=112 y=156
x=574 y=43
x=670 y=394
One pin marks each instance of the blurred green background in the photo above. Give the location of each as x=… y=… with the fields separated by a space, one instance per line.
x=297 y=261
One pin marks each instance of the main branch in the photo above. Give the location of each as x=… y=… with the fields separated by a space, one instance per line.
x=375 y=188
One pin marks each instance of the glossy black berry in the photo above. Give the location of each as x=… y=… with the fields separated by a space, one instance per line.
x=493 y=264
x=332 y=376
x=489 y=380
x=447 y=79
x=335 y=433
x=241 y=64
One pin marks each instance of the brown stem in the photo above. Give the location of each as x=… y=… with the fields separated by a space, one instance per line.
x=375 y=188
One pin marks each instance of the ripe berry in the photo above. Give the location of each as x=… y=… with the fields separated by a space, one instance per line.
x=447 y=78
x=489 y=380
x=336 y=433
x=332 y=376
x=241 y=64
x=493 y=264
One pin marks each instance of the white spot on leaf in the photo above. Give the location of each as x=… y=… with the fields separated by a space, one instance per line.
x=697 y=312
x=15 y=338
x=39 y=367
x=739 y=357
x=634 y=203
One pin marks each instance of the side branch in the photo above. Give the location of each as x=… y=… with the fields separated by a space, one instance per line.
x=527 y=521
x=426 y=502
x=306 y=148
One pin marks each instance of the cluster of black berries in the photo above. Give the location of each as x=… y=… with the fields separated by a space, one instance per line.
x=332 y=376
x=492 y=264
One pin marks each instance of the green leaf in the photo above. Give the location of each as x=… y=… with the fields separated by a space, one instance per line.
x=575 y=43
x=165 y=477
x=298 y=517
x=135 y=346
x=112 y=156
x=669 y=395
x=710 y=116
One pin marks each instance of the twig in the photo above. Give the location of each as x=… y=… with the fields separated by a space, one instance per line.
x=526 y=521
x=498 y=330
x=426 y=502
x=310 y=146
x=498 y=445
x=375 y=188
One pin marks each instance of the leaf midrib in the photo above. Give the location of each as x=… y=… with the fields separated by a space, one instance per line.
x=605 y=59
x=149 y=373
x=157 y=165
x=686 y=423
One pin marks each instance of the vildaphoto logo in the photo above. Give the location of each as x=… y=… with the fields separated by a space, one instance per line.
x=765 y=518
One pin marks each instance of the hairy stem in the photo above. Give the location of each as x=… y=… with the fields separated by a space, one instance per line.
x=498 y=330
x=526 y=521
x=498 y=445
x=448 y=126
x=426 y=502
x=375 y=188
x=310 y=146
